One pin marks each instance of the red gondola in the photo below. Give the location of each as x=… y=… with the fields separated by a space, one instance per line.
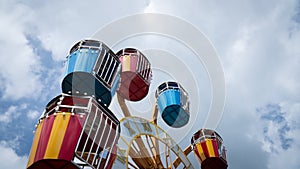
x=209 y=149
x=74 y=132
x=135 y=76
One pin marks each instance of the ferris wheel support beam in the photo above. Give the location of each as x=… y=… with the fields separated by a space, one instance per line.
x=154 y=114
x=138 y=161
x=144 y=152
x=123 y=106
x=155 y=155
x=146 y=158
x=155 y=141
x=186 y=151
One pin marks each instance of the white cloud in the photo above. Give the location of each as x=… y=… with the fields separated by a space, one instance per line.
x=33 y=114
x=289 y=158
x=19 y=65
x=61 y=25
x=57 y=27
x=278 y=129
x=9 y=115
x=276 y=133
x=12 y=113
x=261 y=66
x=286 y=159
x=9 y=158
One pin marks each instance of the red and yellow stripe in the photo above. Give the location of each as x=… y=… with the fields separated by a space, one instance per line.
x=35 y=143
x=206 y=149
x=56 y=137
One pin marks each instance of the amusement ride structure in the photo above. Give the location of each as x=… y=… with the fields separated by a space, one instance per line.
x=78 y=130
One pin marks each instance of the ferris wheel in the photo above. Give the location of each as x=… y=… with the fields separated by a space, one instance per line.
x=141 y=139
x=143 y=144
x=78 y=130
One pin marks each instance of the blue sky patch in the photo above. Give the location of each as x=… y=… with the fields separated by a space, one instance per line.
x=276 y=127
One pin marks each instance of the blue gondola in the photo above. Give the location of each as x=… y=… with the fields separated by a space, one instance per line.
x=92 y=69
x=173 y=103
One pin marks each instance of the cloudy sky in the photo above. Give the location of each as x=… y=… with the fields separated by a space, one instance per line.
x=256 y=42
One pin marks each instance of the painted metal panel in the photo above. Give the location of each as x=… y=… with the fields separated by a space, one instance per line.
x=82 y=60
x=116 y=83
x=35 y=143
x=167 y=98
x=215 y=147
x=209 y=145
x=45 y=135
x=205 y=149
x=199 y=152
x=133 y=63
x=129 y=63
x=125 y=60
x=71 y=137
x=169 y=104
x=57 y=135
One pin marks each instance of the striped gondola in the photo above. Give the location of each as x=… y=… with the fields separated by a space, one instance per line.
x=72 y=128
x=209 y=149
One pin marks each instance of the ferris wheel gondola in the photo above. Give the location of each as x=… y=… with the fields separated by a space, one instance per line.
x=173 y=103
x=209 y=149
x=136 y=74
x=92 y=69
x=74 y=131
